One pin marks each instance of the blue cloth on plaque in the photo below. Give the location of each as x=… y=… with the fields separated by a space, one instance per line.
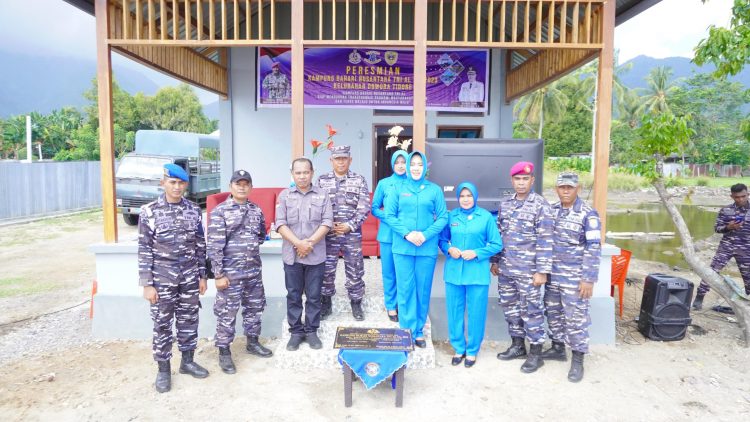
x=373 y=366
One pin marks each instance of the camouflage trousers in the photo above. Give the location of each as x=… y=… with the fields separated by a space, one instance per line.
x=567 y=314
x=351 y=246
x=248 y=292
x=722 y=257
x=522 y=305
x=178 y=305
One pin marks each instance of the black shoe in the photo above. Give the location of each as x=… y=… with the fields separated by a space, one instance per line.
x=457 y=359
x=255 y=348
x=225 y=361
x=357 y=311
x=294 y=342
x=534 y=360
x=698 y=302
x=468 y=363
x=326 y=306
x=576 y=367
x=421 y=343
x=163 y=377
x=187 y=366
x=556 y=352
x=516 y=350
x=393 y=317
x=313 y=341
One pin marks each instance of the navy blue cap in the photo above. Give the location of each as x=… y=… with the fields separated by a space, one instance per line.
x=175 y=171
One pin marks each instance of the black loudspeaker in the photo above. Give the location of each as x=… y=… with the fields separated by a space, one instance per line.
x=665 y=307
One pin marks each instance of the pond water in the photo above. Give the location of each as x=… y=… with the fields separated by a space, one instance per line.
x=653 y=218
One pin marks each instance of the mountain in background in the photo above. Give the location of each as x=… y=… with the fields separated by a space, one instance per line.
x=44 y=83
x=682 y=67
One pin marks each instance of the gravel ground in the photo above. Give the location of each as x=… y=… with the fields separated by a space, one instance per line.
x=46 y=334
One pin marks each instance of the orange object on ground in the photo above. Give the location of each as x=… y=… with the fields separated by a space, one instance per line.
x=620 y=265
x=93 y=292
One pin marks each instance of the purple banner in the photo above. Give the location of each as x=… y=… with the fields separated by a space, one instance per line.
x=375 y=78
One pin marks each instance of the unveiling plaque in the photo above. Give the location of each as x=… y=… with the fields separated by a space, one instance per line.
x=359 y=338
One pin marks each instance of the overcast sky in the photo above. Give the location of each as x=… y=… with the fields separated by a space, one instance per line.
x=671 y=28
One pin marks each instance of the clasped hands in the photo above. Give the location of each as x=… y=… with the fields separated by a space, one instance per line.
x=456 y=253
x=304 y=247
x=415 y=237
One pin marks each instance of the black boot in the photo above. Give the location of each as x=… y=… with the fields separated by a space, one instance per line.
x=326 y=305
x=294 y=341
x=357 y=311
x=225 y=361
x=187 y=366
x=556 y=352
x=576 y=367
x=255 y=348
x=163 y=377
x=698 y=302
x=534 y=360
x=516 y=350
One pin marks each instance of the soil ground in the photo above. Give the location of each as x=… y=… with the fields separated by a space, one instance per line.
x=51 y=368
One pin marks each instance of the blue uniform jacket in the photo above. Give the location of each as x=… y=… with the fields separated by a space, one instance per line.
x=418 y=206
x=476 y=231
x=386 y=187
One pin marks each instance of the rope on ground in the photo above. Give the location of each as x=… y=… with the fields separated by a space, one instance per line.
x=45 y=314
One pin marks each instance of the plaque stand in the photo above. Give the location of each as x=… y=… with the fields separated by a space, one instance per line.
x=349 y=378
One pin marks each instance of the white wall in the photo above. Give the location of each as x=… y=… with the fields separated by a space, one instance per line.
x=258 y=139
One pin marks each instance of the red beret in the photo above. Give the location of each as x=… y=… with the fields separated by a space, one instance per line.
x=522 y=167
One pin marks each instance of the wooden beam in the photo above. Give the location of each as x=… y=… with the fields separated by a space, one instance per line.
x=181 y=63
x=106 y=120
x=543 y=68
x=298 y=76
x=419 y=120
x=604 y=112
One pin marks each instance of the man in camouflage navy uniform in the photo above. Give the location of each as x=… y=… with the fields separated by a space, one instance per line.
x=575 y=269
x=525 y=222
x=276 y=85
x=350 y=198
x=236 y=230
x=171 y=267
x=734 y=223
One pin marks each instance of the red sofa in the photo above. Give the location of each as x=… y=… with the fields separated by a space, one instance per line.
x=266 y=198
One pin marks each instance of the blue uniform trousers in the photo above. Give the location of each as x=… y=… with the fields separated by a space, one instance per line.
x=414 y=285
x=389 y=276
x=567 y=314
x=523 y=307
x=459 y=299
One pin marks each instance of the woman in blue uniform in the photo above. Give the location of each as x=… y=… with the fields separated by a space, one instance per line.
x=387 y=187
x=468 y=241
x=417 y=215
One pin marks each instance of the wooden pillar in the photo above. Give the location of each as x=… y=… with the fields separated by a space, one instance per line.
x=420 y=75
x=298 y=66
x=604 y=112
x=106 y=130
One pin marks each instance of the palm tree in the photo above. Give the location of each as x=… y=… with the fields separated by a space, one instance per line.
x=658 y=90
x=547 y=101
x=631 y=108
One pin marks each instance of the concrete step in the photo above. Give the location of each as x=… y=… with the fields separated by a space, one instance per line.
x=306 y=359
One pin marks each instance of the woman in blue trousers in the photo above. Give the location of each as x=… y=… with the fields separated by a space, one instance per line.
x=468 y=241
x=388 y=187
x=417 y=215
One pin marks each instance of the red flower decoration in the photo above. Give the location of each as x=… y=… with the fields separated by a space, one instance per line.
x=315 y=144
x=330 y=145
x=331 y=130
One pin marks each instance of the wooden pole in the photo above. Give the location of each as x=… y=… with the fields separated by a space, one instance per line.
x=298 y=65
x=420 y=75
x=604 y=111
x=106 y=129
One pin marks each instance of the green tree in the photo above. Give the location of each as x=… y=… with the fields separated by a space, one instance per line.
x=14 y=136
x=546 y=102
x=727 y=48
x=658 y=90
x=175 y=108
